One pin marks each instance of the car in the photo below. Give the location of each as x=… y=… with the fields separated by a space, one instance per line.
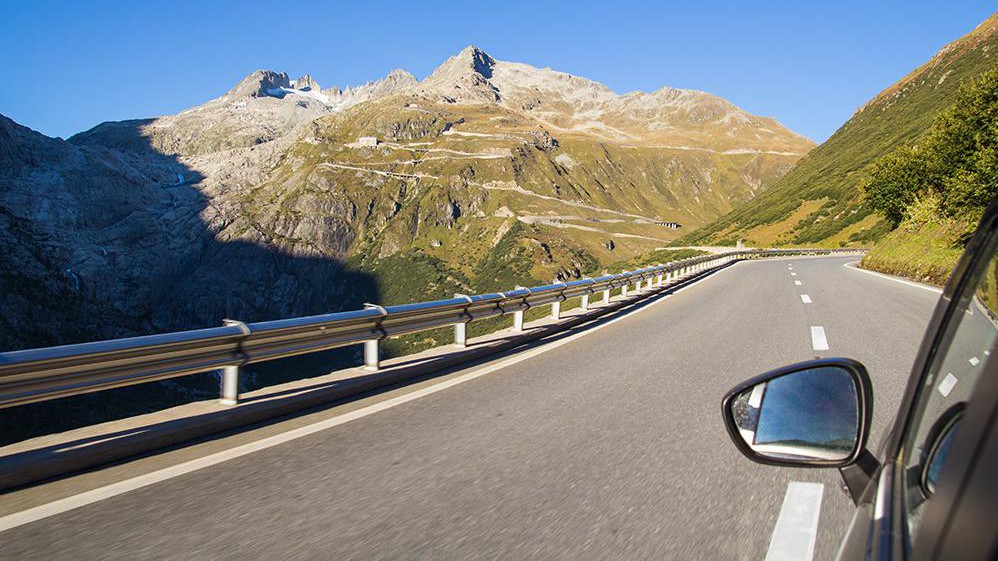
x=931 y=491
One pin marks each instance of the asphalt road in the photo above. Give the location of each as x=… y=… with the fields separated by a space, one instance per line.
x=607 y=446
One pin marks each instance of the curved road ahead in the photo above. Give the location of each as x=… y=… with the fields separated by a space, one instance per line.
x=608 y=445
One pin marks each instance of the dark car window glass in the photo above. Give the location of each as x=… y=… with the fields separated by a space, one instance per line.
x=968 y=344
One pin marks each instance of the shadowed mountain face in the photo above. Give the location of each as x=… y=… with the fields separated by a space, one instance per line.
x=101 y=243
x=282 y=198
x=819 y=201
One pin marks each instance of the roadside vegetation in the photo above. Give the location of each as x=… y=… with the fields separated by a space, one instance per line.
x=934 y=191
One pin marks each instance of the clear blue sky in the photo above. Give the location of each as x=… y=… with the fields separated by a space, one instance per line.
x=69 y=65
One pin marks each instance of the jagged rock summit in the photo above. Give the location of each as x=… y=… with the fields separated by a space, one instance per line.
x=259 y=84
x=571 y=103
x=464 y=77
x=306 y=83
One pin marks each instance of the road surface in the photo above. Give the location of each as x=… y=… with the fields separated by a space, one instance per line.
x=606 y=445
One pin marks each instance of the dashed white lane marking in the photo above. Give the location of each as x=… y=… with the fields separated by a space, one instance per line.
x=805 y=298
x=818 y=339
x=121 y=487
x=974 y=361
x=947 y=384
x=797 y=527
x=793 y=274
x=890 y=278
x=797 y=283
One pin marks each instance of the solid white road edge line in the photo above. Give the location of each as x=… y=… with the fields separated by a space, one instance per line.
x=95 y=495
x=797 y=527
x=895 y=279
x=818 y=340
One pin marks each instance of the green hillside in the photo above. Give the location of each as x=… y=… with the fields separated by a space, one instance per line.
x=819 y=202
x=937 y=189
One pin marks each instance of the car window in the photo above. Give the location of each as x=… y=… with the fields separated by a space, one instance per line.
x=967 y=345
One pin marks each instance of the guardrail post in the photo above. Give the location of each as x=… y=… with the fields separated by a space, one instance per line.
x=230 y=385
x=230 y=372
x=461 y=329
x=585 y=301
x=658 y=279
x=518 y=315
x=623 y=290
x=556 y=305
x=606 y=297
x=372 y=360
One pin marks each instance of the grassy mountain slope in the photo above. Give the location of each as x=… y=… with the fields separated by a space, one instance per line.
x=468 y=186
x=937 y=189
x=819 y=201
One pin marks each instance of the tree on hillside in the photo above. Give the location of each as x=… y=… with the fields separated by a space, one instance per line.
x=956 y=161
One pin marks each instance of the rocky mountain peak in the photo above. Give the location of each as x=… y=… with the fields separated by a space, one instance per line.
x=306 y=83
x=400 y=77
x=478 y=60
x=465 y=77
x=258 y=83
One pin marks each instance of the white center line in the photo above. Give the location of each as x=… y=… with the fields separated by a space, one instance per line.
x=797 y=527
x=805 y=298
x=947 y=384
x=974 y=361
x=818 y=339
x=798 y=283
x=793 y=274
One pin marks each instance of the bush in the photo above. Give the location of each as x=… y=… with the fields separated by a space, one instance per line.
x=956 y=161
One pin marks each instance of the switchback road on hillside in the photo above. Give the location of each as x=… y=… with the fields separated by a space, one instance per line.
x=607 y=445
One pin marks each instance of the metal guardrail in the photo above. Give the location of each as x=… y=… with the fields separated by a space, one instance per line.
x=41 y=374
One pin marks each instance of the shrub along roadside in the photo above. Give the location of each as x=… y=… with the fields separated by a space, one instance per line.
x=936 y=189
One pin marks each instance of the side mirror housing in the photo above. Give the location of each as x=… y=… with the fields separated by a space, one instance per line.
x=811 y=414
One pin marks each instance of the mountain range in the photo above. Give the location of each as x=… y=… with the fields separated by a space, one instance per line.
x=282 y=198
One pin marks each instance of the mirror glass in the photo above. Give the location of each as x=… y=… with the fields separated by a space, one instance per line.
x=939 y=453
x=809 y=414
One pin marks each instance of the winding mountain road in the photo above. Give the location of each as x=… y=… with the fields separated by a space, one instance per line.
x=605 y=445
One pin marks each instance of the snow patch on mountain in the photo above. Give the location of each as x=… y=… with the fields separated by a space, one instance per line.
x=282 y=91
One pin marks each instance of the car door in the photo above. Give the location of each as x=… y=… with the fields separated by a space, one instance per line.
x=936 y=492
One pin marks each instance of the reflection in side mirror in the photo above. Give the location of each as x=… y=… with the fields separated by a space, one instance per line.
x=938 y=444
x=811 y=414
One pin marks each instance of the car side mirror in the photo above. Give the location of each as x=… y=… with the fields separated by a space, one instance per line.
x=811 y=414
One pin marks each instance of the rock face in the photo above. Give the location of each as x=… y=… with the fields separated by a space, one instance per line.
x=258 y=84
x=262 y=203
